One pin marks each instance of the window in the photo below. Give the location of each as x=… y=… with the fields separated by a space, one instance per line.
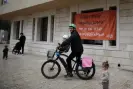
x=93 y=42
x=16 y=30
x=112 y=42
x=33 y=29
x=42 y=29
x=52 y=29
x=3 y=2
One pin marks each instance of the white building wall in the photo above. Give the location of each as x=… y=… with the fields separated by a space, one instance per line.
x=121 y=54
x=61 y=23
x=14 y=5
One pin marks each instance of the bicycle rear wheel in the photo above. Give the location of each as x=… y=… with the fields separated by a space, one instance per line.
x=52 y=69
x=85 y=73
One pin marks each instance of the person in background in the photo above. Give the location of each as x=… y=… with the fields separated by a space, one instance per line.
x=22 y=41
x=105 y=75
x=5 y=52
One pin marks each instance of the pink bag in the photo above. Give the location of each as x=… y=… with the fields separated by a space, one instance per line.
x=86 y=62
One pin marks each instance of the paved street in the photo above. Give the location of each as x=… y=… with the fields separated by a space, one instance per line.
x=23 y=72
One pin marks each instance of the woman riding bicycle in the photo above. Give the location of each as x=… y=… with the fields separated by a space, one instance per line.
x=76 y=47
x=53 y=67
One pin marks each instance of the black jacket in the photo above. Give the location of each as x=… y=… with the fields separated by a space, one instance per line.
x=75 y=41
x=22 y=39
x=5 y=50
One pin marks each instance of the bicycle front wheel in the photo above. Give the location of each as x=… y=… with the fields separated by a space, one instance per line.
x=50 y=69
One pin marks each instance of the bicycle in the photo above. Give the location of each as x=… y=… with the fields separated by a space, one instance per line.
x=77 y=67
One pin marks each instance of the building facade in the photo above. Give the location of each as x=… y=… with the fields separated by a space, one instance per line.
x=44 y=22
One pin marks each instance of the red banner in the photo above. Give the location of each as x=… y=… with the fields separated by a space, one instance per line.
x=97 y=25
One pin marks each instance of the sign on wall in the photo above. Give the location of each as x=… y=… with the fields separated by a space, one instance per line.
x=97 y=25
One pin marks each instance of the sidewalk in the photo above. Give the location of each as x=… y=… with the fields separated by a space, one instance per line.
x=24 y=72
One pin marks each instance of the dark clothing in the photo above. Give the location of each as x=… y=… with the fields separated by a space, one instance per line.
x=5 y=50
x=65 y=48
x=71 y=56
x=5 y=53
x=22 y=42
x=76 y=47
x=75 y=41
x=22 y=39
x=22 y=47
x=105 y=85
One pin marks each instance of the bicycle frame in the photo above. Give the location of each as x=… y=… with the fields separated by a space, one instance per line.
x=58 y=54
x=63 y=61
